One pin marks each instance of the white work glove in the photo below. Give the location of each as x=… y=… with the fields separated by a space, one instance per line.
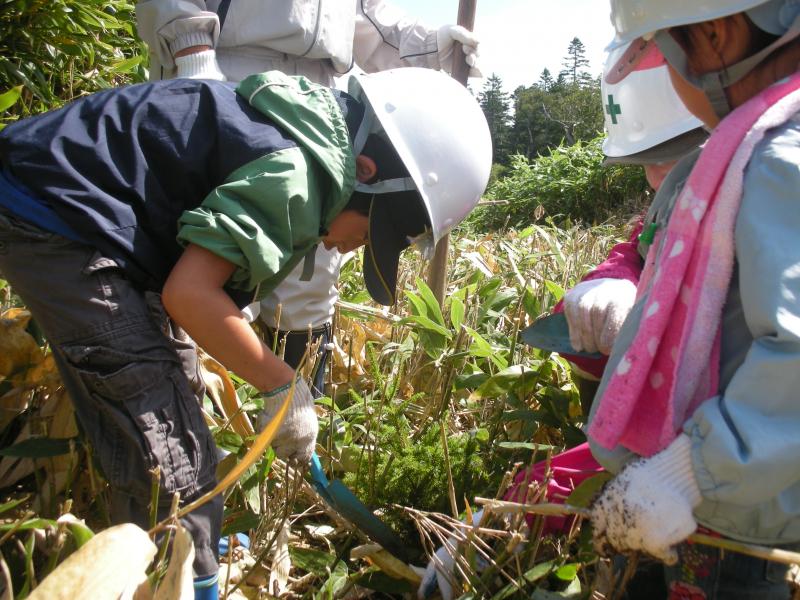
x=441 y=569
x=200 y=65
x=446 y=36
x=297 y=435
x=595 y=311
x=648 y=506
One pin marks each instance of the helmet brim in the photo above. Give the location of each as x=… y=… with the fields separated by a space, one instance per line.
x=668 y=151
x=630 y=60
x=394 y=219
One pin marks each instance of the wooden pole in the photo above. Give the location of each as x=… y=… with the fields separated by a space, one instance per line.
x=437 y=271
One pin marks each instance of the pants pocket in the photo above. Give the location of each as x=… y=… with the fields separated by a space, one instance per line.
x=154 y=418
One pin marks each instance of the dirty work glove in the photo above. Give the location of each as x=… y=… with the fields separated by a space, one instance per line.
x=200 y=65
x=595 y=311
x=648 y=506
x=446 y=36
x=441 y=570
x=297 y=435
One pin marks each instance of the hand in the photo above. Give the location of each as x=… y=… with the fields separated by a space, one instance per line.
x=441 y=569
x=446 y=36
x=595 y=311
x=199 y=65
x=648 y=506
x=297 y=435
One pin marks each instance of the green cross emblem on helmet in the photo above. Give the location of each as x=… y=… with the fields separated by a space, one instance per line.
x=613 y=109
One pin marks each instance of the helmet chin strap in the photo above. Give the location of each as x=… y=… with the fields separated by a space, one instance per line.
x=714 y=84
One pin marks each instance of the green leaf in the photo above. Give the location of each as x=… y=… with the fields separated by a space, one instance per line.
x=9 y=98
x=334 y=583
x=7 y=506
x=29 y=524
x=228 y=440
x=480 y=346
x=39 y=448
x=471 y=381
x=456 y=312
x=555 y=289
x=312 y=561
x=513 y=377
x=531 y=576
x=80 y=533
x=418 y=305
x=567 y=572
x=428 y=325
x=525 y=446
x=482 y=435
x=583 y=495
x=434 y=310
x=531 y=303
x=240 y=521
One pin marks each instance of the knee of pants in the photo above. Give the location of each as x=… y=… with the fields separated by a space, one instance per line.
x=140 y=413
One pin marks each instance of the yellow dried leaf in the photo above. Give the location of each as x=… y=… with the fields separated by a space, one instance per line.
x=389 y=564
x=220 y=387
x=18 y=350
x=43 y=374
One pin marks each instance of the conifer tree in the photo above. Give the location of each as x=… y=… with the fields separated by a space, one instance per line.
x=496 y=107
x=575 y=63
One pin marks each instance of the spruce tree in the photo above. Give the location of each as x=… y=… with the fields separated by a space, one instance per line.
x=496 y=107
x=575 y=63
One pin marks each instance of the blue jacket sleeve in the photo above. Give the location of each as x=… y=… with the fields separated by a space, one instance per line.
x=747 y=441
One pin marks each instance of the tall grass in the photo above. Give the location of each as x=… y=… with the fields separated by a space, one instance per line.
x=427 y=409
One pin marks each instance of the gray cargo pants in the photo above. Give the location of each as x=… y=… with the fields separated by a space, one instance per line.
x=131 y=373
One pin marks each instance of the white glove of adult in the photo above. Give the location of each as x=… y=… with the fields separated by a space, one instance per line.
x=297 y=435
x=441 y=569
x=595 y=311
x=648 y=506
x=446 y=36
x=200 y=65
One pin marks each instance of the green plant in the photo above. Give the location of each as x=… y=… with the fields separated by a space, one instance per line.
x=570 y=184
x=60 y=49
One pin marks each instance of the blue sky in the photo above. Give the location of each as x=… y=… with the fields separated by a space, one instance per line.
x=519 y=38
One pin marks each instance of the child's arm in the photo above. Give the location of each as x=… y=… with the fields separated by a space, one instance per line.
x=193 y=295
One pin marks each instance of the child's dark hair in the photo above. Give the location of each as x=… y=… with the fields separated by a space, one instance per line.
x=388 y=166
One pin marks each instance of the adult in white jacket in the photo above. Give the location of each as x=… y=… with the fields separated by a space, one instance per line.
x=224 y=39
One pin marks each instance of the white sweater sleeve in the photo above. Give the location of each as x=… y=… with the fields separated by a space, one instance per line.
x=168 y=26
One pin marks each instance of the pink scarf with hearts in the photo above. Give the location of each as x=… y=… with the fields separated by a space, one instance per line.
x=672 y=365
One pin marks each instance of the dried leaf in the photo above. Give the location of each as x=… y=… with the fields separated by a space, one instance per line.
x=220 y=387
x=177 y=583
x=111 y=562
x=389 y=564
x=281 y=562
x=18 y=349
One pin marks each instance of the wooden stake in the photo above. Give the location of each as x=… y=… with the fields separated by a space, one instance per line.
x=437 y=271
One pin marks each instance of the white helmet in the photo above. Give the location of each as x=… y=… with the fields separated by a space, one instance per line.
x=645 y=120
x=440 y=133
x=641 y=18
x=648 y=19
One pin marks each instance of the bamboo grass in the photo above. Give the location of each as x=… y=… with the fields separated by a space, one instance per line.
x=560 y=510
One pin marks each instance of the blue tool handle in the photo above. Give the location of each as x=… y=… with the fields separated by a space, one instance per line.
x=317 y=474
